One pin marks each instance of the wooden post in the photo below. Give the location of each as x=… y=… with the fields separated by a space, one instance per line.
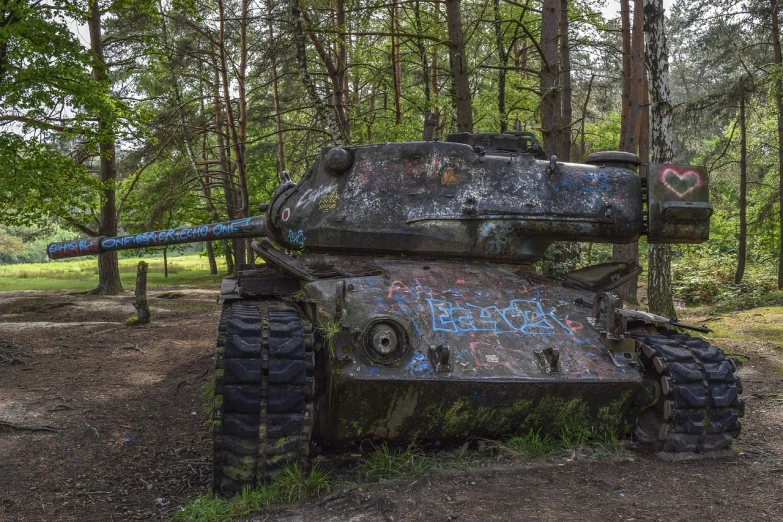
x=140 y=301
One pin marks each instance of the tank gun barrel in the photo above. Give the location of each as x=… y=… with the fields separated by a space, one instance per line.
x=254 y=226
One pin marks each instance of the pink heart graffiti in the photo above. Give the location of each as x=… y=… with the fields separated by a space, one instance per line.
x=681 y=183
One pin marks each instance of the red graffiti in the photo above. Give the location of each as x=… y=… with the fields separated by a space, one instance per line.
x=397 y=286
x=574 y=326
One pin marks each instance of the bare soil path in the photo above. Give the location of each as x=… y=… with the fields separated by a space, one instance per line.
x=102 y=422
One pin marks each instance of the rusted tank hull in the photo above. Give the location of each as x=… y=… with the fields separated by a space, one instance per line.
x=502 y=330
x=455 y=411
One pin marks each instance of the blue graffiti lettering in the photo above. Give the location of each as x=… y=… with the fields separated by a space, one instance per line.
x=521 y=315
x=296 y=238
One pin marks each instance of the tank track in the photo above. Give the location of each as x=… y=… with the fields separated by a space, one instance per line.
x=699 y=409
x=265 y=377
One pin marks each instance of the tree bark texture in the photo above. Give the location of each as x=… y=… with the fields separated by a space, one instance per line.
x=565 y=82
x=459 y=66
x=211 y=257
x=140 y=301
x=743 y=197
x=659 y=280
x=502 y=60
x=108 y=268
x=779 y=102
x=394 y=29
x=423 y=59
x=275 y=92
x=638 y=98
x=551 y=104
x=625 y=30
x=634 y=89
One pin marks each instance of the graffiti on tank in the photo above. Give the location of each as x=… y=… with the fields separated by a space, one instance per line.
x=524 y=316
x=82 y=246
x=680 y=182
x=296 y=237
x=201 y=232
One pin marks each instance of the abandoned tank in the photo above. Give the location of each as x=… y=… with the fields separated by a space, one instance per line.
x=397 y=300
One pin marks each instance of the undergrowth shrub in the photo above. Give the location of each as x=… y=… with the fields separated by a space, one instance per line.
x=709 y=280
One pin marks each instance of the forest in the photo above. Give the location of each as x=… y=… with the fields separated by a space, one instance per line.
x=119 y=117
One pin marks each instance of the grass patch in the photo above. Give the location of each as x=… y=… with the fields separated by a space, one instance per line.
x=290 y=486
x=386 y=464
x=532 y=445
x=763 y=324
x=82 y=274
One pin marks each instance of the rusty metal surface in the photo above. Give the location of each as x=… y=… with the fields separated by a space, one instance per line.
x=449 y=200
x=247 y=227
x=678 y=204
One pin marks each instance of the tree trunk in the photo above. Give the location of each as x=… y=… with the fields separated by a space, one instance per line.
x=275 y=92
x=565 y=81
x=659 y=289
x=211 y=257
x=634 y=89
x=434 y=75
x=108 y=267
x=394 y=29
x=425 y=67
x=582 y=146
x=502 y=61
x=342 y=67
x=459 y=66
x=638 y=96
x=625 y=29
x=140 y=301
x=551 y=104
x=779 y=103
x=743 y=203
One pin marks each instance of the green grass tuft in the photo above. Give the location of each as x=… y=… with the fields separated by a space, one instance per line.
x=532 y=445
x=385 y=464
x=574 y=437
x=290 y=486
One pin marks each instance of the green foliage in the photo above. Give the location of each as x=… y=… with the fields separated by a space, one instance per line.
x=289 y=487
x=532 y=445
x=574 y=436
x=38 y=181
x=385 y=463
x=28 y=244
x=708 y=279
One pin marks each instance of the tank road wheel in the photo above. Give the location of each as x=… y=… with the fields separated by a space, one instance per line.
x=264 y=420
x=699 y=408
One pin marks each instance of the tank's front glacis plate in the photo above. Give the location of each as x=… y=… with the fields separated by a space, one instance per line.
x=497 y=325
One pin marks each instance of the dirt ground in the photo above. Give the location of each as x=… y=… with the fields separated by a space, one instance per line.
x=102 y=422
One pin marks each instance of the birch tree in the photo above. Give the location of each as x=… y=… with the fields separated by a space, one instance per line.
x=659 y=280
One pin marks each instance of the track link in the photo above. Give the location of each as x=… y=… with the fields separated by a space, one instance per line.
x=700 y=406
x=265 y=379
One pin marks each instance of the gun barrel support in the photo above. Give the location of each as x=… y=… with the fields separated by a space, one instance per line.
x=251 y=227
